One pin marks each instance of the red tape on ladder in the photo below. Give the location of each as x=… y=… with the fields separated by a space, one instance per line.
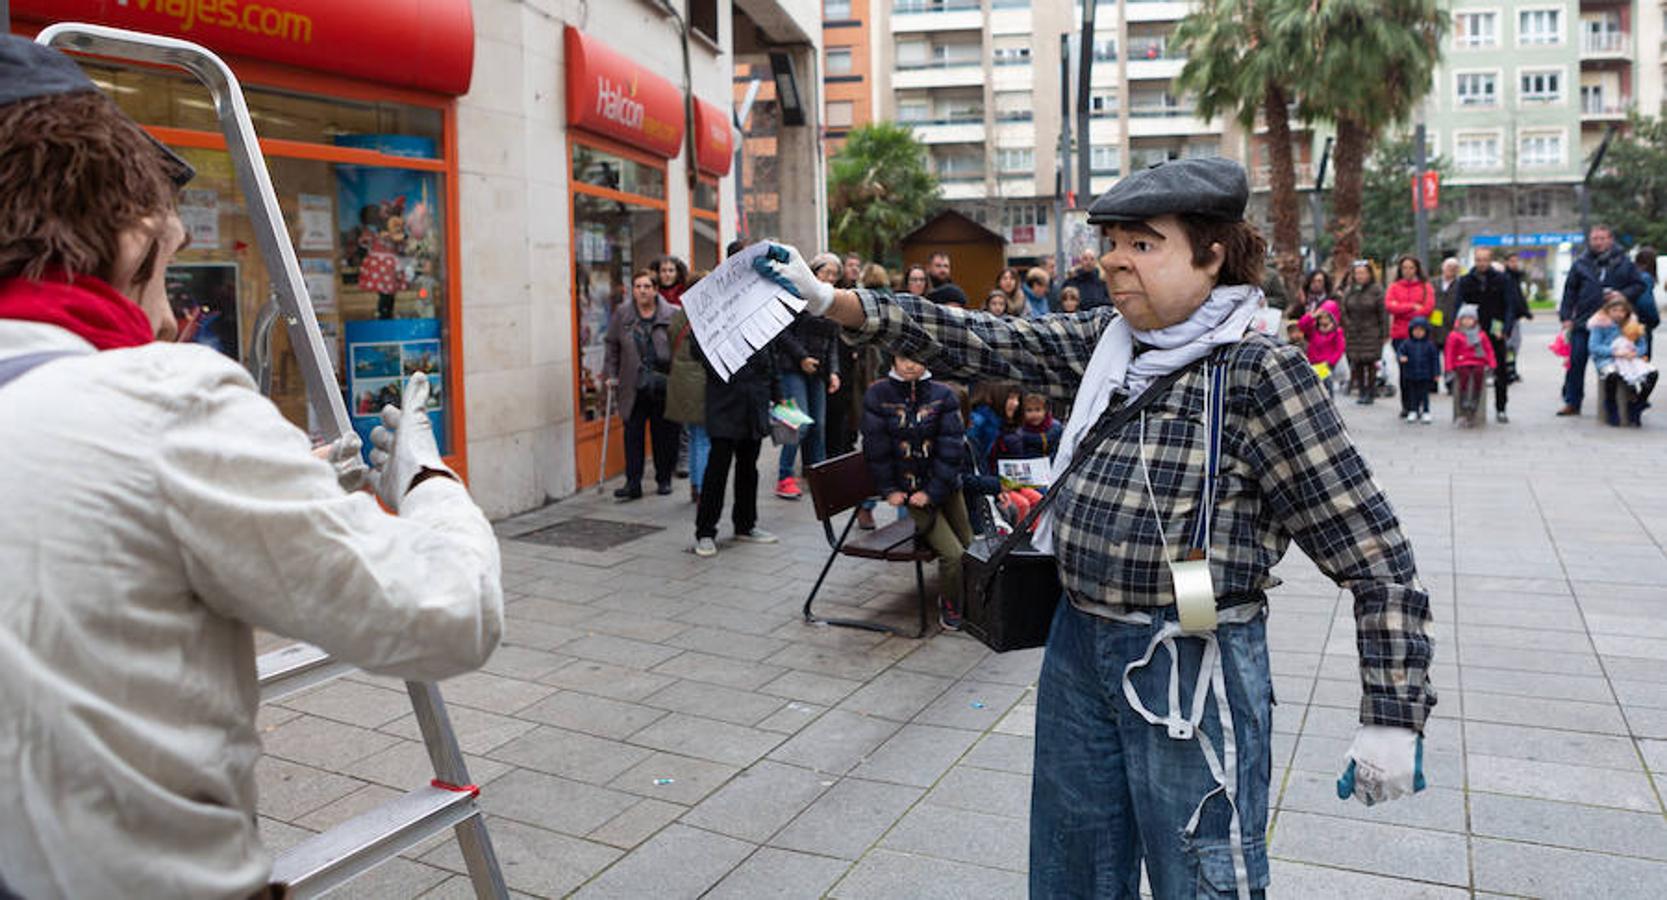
x=472 y=790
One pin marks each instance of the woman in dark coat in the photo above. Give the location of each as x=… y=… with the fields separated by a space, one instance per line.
x=1366 y=325
x=637 y=360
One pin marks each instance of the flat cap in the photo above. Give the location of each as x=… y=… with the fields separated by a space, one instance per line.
x=29 y=70
x=1202 y=186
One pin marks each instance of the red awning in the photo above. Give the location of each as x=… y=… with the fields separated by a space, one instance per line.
x=609 y=94
x=714 y=139
x=424 y=44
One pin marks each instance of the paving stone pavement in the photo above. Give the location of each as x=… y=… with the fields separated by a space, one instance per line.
x=657 y=725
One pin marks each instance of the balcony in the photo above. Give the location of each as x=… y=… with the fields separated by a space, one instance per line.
x=1605 y=47
x=949 y=130
x=936 y=15
x=1015 y=115
x=1154 y=59
x=1598 y=108
x=962 y=185
x=1262 y=177
x=938 y=73
x=1155 y=10
x=1157 y=121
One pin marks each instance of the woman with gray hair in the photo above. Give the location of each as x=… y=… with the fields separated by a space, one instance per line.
x=807 y=358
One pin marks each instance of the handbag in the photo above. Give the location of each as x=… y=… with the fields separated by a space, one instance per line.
x=1011 y=588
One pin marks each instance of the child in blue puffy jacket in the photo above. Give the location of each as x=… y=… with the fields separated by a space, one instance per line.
x=1420 y=362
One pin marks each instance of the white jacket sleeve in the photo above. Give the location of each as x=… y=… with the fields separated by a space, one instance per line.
x=267 y=537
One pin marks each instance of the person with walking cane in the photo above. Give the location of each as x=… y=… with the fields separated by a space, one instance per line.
x=1154 y=710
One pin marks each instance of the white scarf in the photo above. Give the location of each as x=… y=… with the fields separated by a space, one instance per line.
x=1222 y=319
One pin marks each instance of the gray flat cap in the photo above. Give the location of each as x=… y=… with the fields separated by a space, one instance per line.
x=1202 y=186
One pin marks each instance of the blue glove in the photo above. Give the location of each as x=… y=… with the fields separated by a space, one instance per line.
x=784 y=266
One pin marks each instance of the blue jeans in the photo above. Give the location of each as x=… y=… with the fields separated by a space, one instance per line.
x=811 y=393
x=1574 y=382
x=1111 y=790
x=700 y=448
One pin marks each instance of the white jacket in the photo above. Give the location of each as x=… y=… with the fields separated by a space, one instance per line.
x=154 y=509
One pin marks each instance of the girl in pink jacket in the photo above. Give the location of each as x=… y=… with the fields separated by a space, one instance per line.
x=1324 y=332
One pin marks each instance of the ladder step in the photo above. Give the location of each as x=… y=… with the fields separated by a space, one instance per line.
x=328 y=860
x=294 y=669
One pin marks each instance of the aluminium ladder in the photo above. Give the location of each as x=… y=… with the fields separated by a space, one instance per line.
x=330 y=859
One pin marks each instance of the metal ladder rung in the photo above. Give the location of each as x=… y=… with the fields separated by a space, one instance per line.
x=329 y=860
x=295 y=668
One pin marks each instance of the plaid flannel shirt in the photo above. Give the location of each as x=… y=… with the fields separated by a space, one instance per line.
x=1287 y=471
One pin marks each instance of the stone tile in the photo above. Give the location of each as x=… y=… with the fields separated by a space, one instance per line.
x=710 y=739
x=397 y=879
x=984 y=791
x=836 y=742
x=289 y=791
x=493 y=693
x=637 y=824
x=678 y=862
x=848 y=819
x=1020 y=667
x=406 y=765
x=570 y=754
x=532 y=634
x=674 y=778
x=557 y=804
x=1569 y=825
x=1530 y=639
x=477 y=731
x=723 y=642
x=1020 y=720
x=620 y=651
x=780 y=875
x=792 y=718
x=1550 y=745
x=1573 y=715
x=1547 y=685
x=896 y=694
x=279 y=837
x=1558 y=781
x=811 y=687
x=1434 y=808
x=720 y=670
x=973 y=705
x=1003 y=753
x=825 y=661
x=636 y=627
x=336 y=812
x=950 y=656
x=1443 y=765
x=885 y=874
x=321 y=743
x=525 y=663
x=592 y=715
x=715 y=702
x=1308 y=882
x=963 y=836
x=917 y=755
x=549 y=612
x=606 y=680
x=1655 y=755
x=759 y=801
x=351 y=703
x=1371 y=847
x=1537 y=871
x=535 y=861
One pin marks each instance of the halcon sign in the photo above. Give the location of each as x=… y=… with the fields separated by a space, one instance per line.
x=609 y=94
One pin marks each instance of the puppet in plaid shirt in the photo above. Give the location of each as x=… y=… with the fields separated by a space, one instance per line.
x=1138 y=759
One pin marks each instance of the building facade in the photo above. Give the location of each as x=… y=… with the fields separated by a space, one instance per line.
x=474 y=209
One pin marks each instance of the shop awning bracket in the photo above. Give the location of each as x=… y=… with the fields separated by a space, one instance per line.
x=451 y=801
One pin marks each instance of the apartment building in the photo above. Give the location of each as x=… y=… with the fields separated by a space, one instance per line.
x=1524 y=94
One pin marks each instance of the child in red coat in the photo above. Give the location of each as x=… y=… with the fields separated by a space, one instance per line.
x=1469 y=356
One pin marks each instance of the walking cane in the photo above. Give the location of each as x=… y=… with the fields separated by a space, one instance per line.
x=607 y=417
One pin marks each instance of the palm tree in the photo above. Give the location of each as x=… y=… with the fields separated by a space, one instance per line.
x=1368 y=63
x=1238 y=65
x=880 y=188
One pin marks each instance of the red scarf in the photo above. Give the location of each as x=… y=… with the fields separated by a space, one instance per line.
x=86 y=306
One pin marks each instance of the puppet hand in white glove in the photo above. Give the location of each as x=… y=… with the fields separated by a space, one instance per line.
x=343 y=455
x=403 y=448
x=1385 y=762
x=783 y=265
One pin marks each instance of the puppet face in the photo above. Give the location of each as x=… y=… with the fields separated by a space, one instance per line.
x=1149 y=271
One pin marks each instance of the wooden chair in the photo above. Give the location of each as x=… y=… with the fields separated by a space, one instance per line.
x=842 y=484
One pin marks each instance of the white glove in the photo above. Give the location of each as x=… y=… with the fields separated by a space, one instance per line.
x=783 y=265
x=402 y=447
x=343 y=455
x=1385 y=762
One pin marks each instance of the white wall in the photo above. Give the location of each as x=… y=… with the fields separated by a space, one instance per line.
x=516 y=263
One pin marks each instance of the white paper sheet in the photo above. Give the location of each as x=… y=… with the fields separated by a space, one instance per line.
x=318 y=224
x=736 y=312
x=199 y=212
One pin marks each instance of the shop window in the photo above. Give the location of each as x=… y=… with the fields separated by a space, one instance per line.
x=703 y=18
x=704 y=252
x=605 y=170
x=613 y=236
x=371 y=240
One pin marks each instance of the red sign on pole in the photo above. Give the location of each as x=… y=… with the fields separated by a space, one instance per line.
x=1430 y=182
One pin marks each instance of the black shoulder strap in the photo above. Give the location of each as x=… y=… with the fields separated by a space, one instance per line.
x=1110 y=421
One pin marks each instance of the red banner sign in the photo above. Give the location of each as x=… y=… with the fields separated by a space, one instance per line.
x=1430 y=182
x=424 y=44
x=609 y=94
x=714 y=139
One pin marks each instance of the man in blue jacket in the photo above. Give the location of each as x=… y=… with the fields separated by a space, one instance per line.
x=1602 y=270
